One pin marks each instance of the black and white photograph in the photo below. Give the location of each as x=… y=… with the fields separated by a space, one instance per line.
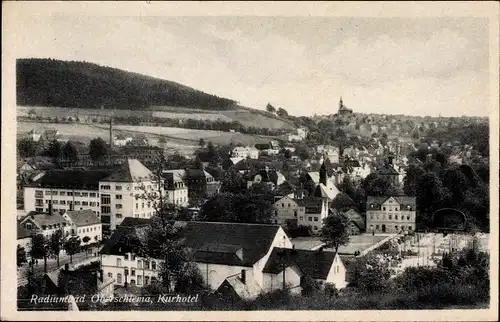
x=250 y=162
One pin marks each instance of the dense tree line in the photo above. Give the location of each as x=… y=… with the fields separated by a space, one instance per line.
x=49 y=82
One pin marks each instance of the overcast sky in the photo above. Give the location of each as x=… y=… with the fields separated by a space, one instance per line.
x=424 y=66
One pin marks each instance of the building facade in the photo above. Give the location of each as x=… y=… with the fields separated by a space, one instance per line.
x=390 y=214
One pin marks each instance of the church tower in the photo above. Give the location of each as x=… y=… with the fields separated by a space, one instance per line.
x=323 y=174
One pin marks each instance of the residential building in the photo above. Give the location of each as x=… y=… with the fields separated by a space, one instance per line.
x=47 y=135
x=271 y=177
x=66 y=190
x=176 y=189
x=198 y=183
x=356 y=170
x=122 y=140
x=271 y=148
x=46 y=224
x=129 y=191
x=390 y=214
x=24 y=238
x=389 y=172
x=245 y=152
x=331 y=153
x=84 y=223
x=146 y=154
x=78 y=282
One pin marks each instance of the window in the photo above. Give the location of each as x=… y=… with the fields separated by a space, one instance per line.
x=39 y=209
x=110 y=275
x=118 y=206
x=126 y=257
x=77 y=203
x=396 y=227
x=118 y=187
x=142 y=205
x=383 y=208
x=282 y=205
x=38 y=202
x=146 y=280
x=38 y=194
x=77 y=194
x=119 y=197
x=70 y=193
x=132 y=271
x=153 y=265
x=136 y=205
x=119 y=278
x=119 y=262
x=126 y=271
x=92 y=204
x=139 y=280
x=105 y=187
x=377 y=227
x=119 y=215
x=85 y=194
x=310 y=218
x=85 y=203
x=62 y=202
x=396 y=209
x=62 y=193
x=139 y=264
x=146 y=264
x=93 y=194
x=396 y=217
x=301 y=218
x=105 y=199
x=106 y=209
x=315 y=218
x=390 y=217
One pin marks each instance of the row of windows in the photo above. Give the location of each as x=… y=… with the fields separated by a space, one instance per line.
x=89 y=229
x=384 y=217
x=141 y=264
x=396 y=227
x=119 y=279
x=39 y=193
x=39 y=202
x=395 y=209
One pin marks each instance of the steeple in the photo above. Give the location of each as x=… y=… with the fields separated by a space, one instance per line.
x=323 y=174
x=341 y=103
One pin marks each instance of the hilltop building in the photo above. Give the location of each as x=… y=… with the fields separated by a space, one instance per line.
x=343 y=110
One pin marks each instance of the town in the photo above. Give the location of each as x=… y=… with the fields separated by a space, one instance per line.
x=343 y=211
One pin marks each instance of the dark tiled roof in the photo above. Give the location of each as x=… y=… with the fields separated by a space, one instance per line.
x=315 y=264
x=309 y=202
x=234 y=244
x=22 y=232
x=402 y=200
x=263 y=146
x=357 y=218
x=387 y=170
x=83 y=217
x=71 y=179
x=254 y=240
x=44 y=219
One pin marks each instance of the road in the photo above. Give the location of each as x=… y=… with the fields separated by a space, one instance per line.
x=22 y=273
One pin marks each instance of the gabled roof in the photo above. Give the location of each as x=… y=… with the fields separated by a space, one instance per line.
x=246 y=291
x=309 y=202
x=236 y=244
x=402 y=200
x=131 y=171
x=356 y=217
x=329 y=191
x=254 y=240
x=315 y=264
x=22 y=232
x=387 y=169
x=44 y=219
x=83 y=217
x=71 y=179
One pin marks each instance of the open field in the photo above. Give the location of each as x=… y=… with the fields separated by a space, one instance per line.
x=357 y=242
x=178 y=138
x=246 y=116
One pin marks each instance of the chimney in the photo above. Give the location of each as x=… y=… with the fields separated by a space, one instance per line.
x=70 y=206
x=50 y=207
x=243 y=276
x=66 y=267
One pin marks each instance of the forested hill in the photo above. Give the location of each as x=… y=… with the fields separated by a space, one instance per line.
x=49 y=82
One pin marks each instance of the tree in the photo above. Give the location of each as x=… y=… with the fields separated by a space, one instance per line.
x=201 y=142
x=72 y=246
x=70 y=152
x=343 y=202
x=98 y=149
x=39 y=249
x=55 y=244
x=21 y=256
x=410 y=181
x=282 y=112
x=369 y=273
x=26 y=148
x=375 y=185
x=335 y=230
x=85 y=240
x=54 y=150
x=233 y=182
x=302 y=152
x=270 y=108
